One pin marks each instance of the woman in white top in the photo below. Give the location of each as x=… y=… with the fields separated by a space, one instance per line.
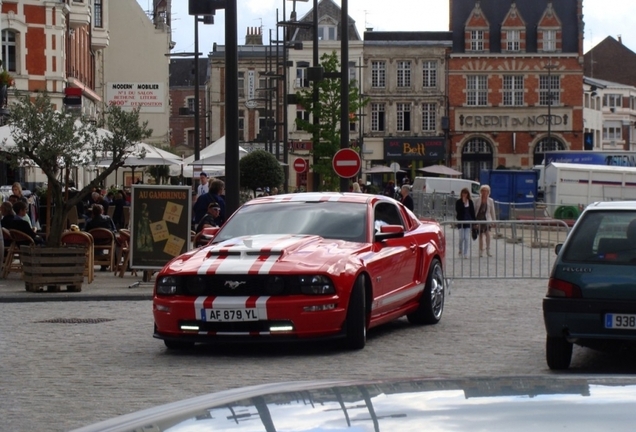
x=484 y=210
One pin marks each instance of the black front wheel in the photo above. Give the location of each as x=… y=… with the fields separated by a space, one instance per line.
x=356 y=321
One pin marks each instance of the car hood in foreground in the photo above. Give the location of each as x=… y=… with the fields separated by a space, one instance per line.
x=546 y=403
x=307 y=252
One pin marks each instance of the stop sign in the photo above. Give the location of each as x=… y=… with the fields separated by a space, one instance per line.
x=346 y=163
x=300 y=165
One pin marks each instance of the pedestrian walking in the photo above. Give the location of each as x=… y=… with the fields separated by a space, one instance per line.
x=464 y=211
x=485 y=212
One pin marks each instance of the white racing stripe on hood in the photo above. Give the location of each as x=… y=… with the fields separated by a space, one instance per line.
x=242 y=264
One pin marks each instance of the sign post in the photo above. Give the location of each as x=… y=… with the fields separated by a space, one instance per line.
x=300 y=165
x=346 y=163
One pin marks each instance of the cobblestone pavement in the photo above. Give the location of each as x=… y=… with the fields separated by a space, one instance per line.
x=57 y=375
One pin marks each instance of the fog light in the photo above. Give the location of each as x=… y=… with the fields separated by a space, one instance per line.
x=162 y=308
x=190 y=327
x=318 y=308
x=281 y=328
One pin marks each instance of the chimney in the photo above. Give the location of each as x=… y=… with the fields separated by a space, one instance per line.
x=620 y=39
x=254 y=36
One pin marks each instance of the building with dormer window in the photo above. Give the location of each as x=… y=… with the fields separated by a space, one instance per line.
x=514 y=82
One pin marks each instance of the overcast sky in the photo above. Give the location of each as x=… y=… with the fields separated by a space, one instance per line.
x=602 y=18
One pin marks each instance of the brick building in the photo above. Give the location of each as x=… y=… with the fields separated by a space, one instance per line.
x=182 y=105
x=53 y=47
x=515 y=82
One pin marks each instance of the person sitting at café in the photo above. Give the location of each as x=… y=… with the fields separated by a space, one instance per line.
x=7 y=218
x=99 y=219
x=11 y=220
x=211 y=217
x=20 y=209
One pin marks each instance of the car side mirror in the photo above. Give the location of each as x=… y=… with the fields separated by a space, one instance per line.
x=210 y=232
x=557 y=248
x=389 y=232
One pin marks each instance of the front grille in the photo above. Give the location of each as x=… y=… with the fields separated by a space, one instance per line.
x=240 y=285
x=235 y=327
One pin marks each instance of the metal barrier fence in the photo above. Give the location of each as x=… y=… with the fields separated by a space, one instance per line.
x=518 y=249
x=442 y=207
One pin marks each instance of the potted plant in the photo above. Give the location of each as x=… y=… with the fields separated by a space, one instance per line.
x=53 y=139
x=5 y=79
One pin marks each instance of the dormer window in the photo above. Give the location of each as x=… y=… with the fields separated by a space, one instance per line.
x=477 y=31
x=477 y=40
x=513 y=40
x=327 y=32
x=549 y=31
x=549 y=40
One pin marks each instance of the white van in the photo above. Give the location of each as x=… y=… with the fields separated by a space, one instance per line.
x=448 y=186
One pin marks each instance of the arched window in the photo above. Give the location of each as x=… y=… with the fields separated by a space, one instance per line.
x=546 y=145
x=9 y=54
x=477 y=155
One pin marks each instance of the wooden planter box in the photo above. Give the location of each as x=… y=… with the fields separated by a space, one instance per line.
x=53 y=267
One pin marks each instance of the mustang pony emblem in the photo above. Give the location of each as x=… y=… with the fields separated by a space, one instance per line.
x=234 y=284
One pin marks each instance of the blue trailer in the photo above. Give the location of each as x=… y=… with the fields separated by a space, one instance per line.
x=511 y=189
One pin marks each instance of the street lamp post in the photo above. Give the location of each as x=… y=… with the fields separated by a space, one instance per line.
x=549 y=67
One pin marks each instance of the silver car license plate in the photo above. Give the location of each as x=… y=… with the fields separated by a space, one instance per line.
x=620 y=321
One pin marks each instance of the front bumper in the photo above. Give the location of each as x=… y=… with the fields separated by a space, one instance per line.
x=579 y=319
x=179 y=318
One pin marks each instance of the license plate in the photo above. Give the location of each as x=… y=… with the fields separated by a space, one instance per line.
x=231 y=315
x=620 y=321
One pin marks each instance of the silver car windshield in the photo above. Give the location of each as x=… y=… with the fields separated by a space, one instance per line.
x=332 y=220
x=604 y=237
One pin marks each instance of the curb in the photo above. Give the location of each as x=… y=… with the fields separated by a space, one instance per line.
x=85 y=298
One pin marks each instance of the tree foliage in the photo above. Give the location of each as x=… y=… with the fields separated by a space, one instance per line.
x=328 y=111
x=56 y=140
x=260 y=169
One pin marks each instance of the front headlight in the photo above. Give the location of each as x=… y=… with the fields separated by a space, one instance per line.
x=316 y=285
x=168 y=285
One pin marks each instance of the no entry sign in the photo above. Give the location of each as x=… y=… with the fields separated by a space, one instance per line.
x=346 y=163
x=300 y=165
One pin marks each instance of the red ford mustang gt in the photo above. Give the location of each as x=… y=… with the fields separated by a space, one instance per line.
x=308 y=265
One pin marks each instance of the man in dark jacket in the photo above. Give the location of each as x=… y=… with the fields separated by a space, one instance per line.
x=99 y=220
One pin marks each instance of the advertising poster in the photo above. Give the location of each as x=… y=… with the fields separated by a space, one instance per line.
x=159 y=224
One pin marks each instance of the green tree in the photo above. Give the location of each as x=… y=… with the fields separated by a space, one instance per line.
x=54 y=139
x=260 y=169
x=328 y=111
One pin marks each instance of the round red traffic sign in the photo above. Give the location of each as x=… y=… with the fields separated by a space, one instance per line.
x=300 y=165
x=346 y=163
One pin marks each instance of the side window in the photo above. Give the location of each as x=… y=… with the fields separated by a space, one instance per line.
x=386 y=214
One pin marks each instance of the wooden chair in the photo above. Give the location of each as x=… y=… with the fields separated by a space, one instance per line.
x=103 y=247
x=13 y=261
x=80 y=238
x=123 y=253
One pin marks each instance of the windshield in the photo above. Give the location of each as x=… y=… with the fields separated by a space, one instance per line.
x=333 y=220
x=604 y=237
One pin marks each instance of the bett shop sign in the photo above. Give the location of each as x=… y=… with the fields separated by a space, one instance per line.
x=149 y=97
x=430 y=149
